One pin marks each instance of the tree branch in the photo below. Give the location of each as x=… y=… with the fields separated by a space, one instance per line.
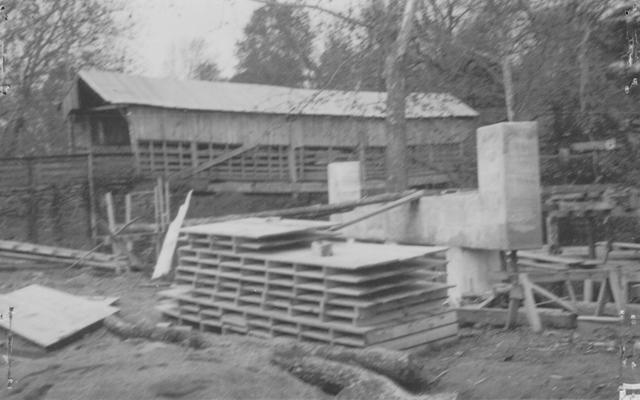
x=317 y=8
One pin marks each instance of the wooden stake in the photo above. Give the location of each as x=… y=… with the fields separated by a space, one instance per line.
x=93 y=218
x=591 y=236
x=615 y=282
x=529 y=303
x=167 y=204
x=515 y=298
x=602 y=297
x=515 y=295
x=111 y=220
x=572 y=293
x=127 y=217
x=587 y=290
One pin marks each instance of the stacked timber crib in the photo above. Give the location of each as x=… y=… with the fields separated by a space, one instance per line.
x=276 y=278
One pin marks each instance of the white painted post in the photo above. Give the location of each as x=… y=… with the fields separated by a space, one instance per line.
x=344 y=184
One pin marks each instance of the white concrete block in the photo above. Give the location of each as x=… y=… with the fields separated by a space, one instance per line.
x=504 y=214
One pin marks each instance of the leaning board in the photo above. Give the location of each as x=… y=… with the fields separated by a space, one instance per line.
x=46 y=316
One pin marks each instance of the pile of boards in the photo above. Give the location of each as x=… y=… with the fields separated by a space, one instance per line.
x=264 y=278
x=12 y=251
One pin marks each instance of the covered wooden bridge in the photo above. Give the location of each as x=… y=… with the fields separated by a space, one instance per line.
x=260 y=138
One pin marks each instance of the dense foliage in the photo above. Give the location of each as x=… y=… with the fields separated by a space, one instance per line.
x=277 y=47
x=544 y=60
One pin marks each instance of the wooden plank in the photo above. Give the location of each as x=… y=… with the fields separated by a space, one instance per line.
x=588 y=324
x=621 y=245
x=353 y=256
x=543 y=265
x=396 y=282
x=381 y=304
x=60 y=252
x=111 y=220
x=402 y=327
x=420 y=338
x=267 y=244
x=313 y=210
x=55 y=262
x=257 y=228
x=544 y=292
x=615 y=283
x=602 y=298
x=163 y=264
x=46 y=316
x=103 y=300
x=587 y=291
x=386 y=207
x=572 y=275
x=549 y=317
x=369 y=275
x=551 y=259
x=571 y=291
x=166 y=204
x=382 y=317
x=93 y=216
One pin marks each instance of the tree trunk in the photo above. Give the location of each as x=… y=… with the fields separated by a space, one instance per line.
x=128 y=329
x=583 y=49
x=397 y=365
x=348 y=381
x=583 y=64
x=396 y=152
x=507 y=80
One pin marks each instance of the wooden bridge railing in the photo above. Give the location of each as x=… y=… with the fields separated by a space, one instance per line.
x=283 y=164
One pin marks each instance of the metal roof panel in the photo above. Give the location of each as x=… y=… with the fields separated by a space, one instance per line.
x=117 y=88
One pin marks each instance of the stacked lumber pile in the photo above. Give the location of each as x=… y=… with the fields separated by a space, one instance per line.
x=13 y=251
x=269 y=279
x=537 y=260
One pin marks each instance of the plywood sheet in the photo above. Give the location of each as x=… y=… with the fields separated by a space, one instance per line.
x=46 y=316
x=257 y=228
x=354 y=255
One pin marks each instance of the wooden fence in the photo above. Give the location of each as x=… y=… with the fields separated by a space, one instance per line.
x=264 y=163
x=33 y=172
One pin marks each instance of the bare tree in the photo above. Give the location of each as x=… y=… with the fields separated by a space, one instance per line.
x=395 y=83
x=46 y=42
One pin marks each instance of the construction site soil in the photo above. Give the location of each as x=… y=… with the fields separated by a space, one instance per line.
x=481 y=364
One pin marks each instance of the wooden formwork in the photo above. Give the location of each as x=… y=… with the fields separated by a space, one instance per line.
x=275 y=285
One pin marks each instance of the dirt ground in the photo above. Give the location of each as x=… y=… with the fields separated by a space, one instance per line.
x=482 y=364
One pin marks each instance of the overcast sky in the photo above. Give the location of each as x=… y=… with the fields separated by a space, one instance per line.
x=161 y=24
